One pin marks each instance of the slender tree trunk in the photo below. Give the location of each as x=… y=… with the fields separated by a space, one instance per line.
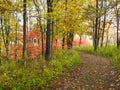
x=16 y=36
x=48 y=41
x=0 y=50
x=0 y=41
x=3 y=36
x=52 y=30
x=80 y=40
x=70 y=40
x=96 y=27
x=7 y=32
x=103 y=30
x=107 y=38
x=117 y=17
x=24 y=29
x=52 y=40
x=99 y=24
x=56 y=42
x=118 y=35
x=3 y=33
x=16 y=31
x=41 y=28
x=107 y=34
x=63 y=42
x=93 y=32
x=42 y=36
x=98 y=34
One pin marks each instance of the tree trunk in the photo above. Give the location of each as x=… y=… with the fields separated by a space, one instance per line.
x=6 y=36
x=93 y=33
x=70 y=40
x=41 y=29
x=98 y=34
x=107 y=34
x=117 y=17
x=103 y=30
x=52 y=30
x=52 y=40
x=24 y=30
x=63 y=42
x=118 y=44
x=16 y=30
x=80 y=40
x=0 y=41
x=96 y=27
x=42 y=37
x=48 y=41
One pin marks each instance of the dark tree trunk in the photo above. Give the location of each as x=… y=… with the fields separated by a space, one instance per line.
x=52 y=40
x=24 y=30
x=80 y=41
x=96 y=27
x=70 y=40
x=93 y=33
x=98 y=34
x=118 y=41
x=52 y=30
x=48 y=41
x=63 y=42
x=56 y=42
x=16 y=31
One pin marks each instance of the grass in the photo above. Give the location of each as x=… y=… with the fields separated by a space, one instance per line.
x=14 y=76
x=110 y=52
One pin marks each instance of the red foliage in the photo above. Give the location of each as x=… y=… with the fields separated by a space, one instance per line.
x=17 y=48
x=33 y=48
x=33 y=35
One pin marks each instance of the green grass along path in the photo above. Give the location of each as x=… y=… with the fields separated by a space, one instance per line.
x=95 y=73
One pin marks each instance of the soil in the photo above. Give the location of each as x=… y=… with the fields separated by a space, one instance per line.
x=95 y=73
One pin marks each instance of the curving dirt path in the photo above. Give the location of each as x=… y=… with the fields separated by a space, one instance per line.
x=95 y=73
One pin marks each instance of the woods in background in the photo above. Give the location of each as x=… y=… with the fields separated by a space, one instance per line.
x=30 y=28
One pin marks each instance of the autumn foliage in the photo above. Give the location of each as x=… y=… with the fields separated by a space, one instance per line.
x=34 y=46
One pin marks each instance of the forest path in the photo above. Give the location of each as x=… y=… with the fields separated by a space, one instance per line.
x=95 y=73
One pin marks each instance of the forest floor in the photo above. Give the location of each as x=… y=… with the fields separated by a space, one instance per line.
x=95 y=73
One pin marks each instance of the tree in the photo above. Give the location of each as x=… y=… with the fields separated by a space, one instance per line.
x=68 y=18
x=117 y=20
x=24 y=29
x=48 y=32
x=96 y=28
x=39 y=12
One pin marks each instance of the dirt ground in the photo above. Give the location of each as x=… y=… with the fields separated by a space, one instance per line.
x=95 y=73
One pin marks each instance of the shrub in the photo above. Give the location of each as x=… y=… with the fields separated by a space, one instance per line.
x=14 y=76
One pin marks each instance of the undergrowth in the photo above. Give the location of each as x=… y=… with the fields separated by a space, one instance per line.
x=14 y=76
x=110 y=52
